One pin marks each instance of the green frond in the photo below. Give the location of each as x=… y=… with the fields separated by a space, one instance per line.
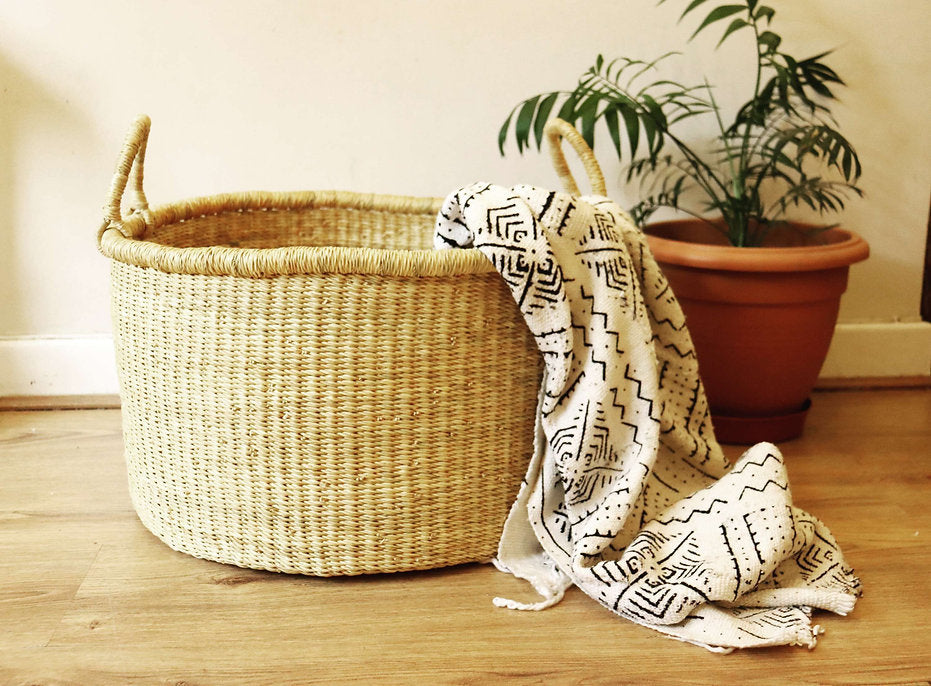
x=780 y=143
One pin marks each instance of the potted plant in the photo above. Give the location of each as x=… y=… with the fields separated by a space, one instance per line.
x=760 y=292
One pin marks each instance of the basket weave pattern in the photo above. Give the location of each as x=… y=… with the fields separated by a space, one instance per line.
x=319 y=410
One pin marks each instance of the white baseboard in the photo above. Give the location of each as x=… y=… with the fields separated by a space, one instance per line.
x=78 y=365
x=884 y=349
x=85 y=365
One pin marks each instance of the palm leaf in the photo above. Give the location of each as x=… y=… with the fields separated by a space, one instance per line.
x=735 y=25
x=523 y=122
x=717 y=14
x=542 y=115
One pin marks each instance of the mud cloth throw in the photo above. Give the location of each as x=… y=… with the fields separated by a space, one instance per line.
x=628 y=495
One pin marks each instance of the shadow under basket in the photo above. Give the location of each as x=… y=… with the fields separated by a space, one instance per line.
x=307 y=387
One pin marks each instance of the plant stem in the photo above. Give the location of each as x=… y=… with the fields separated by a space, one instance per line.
x=746 y=152
x=698 y=165
x=736 y=179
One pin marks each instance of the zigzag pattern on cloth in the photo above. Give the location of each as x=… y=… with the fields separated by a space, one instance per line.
x=628 y=494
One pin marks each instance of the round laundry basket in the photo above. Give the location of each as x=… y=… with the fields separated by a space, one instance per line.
x=306 y=386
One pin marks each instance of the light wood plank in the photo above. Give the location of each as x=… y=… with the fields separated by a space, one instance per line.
x=59 y=402
x=872 y=383
x=88 y=596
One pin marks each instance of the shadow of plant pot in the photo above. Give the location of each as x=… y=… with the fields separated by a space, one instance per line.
x=761 y=319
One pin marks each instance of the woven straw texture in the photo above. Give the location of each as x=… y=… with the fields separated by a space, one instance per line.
x=306 y=386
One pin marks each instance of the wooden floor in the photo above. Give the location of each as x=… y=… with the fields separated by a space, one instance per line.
x=89 y=596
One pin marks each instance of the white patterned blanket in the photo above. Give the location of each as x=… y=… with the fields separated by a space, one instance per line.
x=628 y=494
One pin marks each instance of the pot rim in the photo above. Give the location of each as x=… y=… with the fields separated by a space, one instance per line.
x=845 y=248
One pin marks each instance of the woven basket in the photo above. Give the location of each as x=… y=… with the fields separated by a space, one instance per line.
x=306 y=386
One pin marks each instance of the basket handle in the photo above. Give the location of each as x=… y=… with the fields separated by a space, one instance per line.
x=130 y=164
x=557 y=129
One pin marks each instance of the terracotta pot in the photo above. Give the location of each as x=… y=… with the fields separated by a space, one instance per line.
x=761 y=319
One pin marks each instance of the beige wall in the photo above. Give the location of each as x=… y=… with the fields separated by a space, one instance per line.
x=397 y=97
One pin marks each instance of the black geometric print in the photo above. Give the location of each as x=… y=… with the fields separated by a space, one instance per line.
x=629 y=494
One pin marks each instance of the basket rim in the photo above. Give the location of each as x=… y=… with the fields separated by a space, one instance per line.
x=122 y=241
